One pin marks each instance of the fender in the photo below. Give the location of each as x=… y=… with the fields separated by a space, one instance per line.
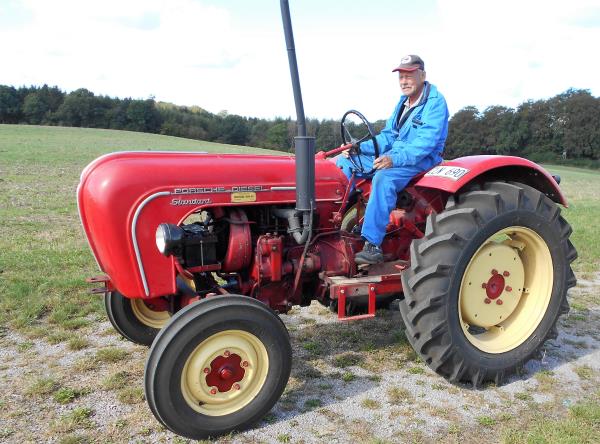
x=469 y=169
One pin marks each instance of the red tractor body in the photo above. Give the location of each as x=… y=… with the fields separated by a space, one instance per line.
x=140 y=190
x=123 y=197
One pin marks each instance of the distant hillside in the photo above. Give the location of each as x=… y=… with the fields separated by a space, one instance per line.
x=32 y=144
x=563 y=128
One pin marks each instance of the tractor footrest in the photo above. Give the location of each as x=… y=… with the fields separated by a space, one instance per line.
x=343 y=288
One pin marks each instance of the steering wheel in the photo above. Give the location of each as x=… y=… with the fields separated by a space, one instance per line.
x=348 y=138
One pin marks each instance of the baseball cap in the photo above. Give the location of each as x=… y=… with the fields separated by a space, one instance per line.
x=410 y=63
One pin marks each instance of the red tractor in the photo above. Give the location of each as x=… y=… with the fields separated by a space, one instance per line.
x=202 y=252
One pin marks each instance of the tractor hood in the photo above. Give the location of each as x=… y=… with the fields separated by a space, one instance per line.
x=123 y=197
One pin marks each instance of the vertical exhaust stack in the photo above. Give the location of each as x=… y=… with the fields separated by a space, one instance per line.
x=305 y=146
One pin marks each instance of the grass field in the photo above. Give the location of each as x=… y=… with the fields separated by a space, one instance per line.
x=60 y=361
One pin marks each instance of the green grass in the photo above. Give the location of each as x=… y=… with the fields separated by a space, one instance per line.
x=397 y=395
x=582 y=190
x=42 y=386
x=44 y=258
x=581 y=425
x=131 y=395
x=111 y=354
x=371 y=404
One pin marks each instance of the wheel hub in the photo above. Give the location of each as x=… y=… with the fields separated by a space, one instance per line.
x=224 y=372
x=505 y=289
x=495 y=286
x=489 y=296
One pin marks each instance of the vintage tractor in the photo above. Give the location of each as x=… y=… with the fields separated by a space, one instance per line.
x=201 y=252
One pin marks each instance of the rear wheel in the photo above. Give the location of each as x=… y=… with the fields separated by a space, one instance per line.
x=137 y=320
x=218 y=366
x=488 y=282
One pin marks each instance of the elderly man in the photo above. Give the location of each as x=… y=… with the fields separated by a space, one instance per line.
x=411 y=142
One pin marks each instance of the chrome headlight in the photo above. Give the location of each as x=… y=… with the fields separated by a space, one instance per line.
x=169 y=239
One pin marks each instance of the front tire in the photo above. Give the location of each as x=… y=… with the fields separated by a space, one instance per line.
x=219 y=365
x=488 y=282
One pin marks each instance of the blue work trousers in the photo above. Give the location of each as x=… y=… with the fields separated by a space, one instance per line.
x=386 y=184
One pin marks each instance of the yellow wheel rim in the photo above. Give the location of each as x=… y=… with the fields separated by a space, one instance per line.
x=224 y=373
x=505 y=290
x=147 y=316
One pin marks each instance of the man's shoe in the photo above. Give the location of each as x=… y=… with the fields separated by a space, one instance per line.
x=371 y=254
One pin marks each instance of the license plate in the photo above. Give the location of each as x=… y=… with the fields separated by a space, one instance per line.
x=449 y=172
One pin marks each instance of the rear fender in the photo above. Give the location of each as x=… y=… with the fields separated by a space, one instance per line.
x=489 y=168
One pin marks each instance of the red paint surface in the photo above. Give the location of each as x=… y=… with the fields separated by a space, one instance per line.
x=224 y=372
x=495 y=286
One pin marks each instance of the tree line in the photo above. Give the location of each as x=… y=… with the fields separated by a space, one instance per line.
x=564 y=128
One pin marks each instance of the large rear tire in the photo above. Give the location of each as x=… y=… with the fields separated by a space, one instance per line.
x=488 y=282
x=220 y=365
x=137 y=320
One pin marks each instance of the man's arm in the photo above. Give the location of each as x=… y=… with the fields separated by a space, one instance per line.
x=435 y=118
x=384 y=139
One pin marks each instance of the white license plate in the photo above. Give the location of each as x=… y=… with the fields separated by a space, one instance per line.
x=449 y=172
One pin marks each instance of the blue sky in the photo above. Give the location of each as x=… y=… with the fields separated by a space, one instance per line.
x=230 y=54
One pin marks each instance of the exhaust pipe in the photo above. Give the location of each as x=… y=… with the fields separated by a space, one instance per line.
x=304 y=145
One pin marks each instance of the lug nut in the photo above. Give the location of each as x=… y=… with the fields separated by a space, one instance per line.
x=506 y=274
x=494 y=271
x=499 y=302
x=245 y=364
x=508 y=288
x=487 y=300
x=213 y=391
x=236 y=386
x=484 y=285
x=207 y=370
x=227 y=353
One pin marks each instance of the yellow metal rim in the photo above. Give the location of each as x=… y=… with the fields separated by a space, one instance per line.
x=208 y=400
x=148 y=316
x=506 y=290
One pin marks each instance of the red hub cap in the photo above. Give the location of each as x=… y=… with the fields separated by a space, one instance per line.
x=224 y=372
x=495 y=286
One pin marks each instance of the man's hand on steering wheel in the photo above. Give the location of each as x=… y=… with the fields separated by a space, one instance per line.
x=354 y=150
x=347 y=139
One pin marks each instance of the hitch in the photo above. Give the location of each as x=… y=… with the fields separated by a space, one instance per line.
x=343 y=289
x=108 y=286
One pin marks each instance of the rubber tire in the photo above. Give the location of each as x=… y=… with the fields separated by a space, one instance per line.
x=438 y=260
x=121 y=316
x=179 y=338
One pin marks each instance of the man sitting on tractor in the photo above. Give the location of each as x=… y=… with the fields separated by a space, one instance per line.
x=412 y=141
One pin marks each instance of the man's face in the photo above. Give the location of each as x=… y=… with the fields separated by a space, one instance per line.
x=411 y=82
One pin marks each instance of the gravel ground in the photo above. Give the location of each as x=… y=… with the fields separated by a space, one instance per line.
x=386 y=395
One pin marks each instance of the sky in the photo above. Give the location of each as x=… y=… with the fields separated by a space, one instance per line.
x=230 y=55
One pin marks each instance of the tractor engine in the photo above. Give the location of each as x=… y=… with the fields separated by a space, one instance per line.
x=252 y=251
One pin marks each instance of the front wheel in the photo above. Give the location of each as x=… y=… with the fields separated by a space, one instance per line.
x=488 y=282
x=218 y=366
x=137 y=320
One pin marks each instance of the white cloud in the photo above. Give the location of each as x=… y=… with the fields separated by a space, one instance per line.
x=507 y=52
x=193 y=53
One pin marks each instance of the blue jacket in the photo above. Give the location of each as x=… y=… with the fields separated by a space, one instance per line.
x=422 y=134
